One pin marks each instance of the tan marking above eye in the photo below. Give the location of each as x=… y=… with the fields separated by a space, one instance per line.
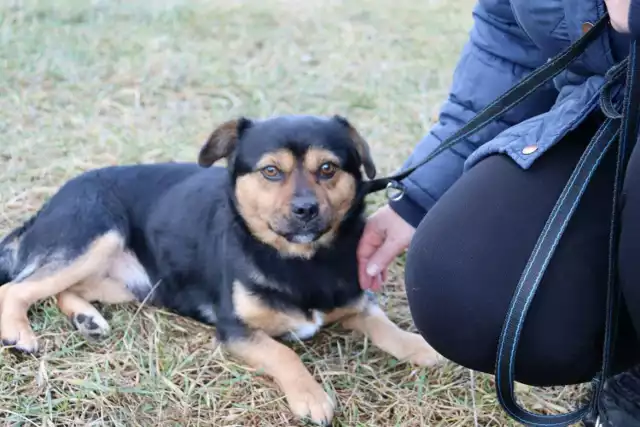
x=282 y=159
x=316 y=157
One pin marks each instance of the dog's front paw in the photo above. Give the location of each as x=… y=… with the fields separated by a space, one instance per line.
x=419 y=352
x=309 y=400
x=18 y=334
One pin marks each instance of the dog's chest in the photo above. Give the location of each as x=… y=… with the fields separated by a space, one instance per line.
x=290 y=298
x=260 y=308
x=306 y=329
x=291 y=306
x=321 y=288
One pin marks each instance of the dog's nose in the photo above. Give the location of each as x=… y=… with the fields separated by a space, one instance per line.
x=305 y=208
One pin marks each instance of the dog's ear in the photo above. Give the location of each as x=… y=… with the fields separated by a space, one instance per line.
x=362 y=147
x=222 y=141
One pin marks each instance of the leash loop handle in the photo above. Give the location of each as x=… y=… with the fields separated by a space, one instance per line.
x=613 y=78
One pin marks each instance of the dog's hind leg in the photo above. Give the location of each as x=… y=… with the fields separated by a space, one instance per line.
x=19 y=296
x=75 y=303
x=83 y=315
x=368 y=318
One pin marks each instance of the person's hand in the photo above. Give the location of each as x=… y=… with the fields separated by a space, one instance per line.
x=386 y=235
x=619 y=14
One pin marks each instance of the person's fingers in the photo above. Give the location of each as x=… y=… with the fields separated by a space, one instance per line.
x=369 y=243
x=378 y=247
x=365 y=281
x=372 y=238
x=380 y=260
x=378 y=282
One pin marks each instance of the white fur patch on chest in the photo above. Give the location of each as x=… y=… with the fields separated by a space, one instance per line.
x=306 y=330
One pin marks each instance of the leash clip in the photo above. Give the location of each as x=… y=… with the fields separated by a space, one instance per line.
x=395 y=191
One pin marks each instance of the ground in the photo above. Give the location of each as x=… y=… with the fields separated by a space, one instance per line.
x=85 y=84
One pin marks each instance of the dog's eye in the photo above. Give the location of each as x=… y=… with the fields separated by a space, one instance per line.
x=271 y=172
x=327 y=170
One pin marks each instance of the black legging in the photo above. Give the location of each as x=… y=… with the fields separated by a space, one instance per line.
x=469 y=252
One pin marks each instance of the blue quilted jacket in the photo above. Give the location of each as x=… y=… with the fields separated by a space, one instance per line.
x=508 y=40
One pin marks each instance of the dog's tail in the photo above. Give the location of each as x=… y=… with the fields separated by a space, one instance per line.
x=9 y=247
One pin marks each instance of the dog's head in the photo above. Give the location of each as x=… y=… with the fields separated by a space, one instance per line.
x=294 y=177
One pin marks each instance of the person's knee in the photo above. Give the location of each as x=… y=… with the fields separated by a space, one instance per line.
x=460 y=308
x=469 y=252
x=443 y=309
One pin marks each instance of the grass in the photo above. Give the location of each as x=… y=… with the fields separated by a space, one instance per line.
x=91 y=83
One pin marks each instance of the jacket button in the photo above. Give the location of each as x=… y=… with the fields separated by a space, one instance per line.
x=529 y=149
x=586 y=27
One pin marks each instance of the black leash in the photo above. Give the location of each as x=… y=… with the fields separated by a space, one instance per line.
x=621 y=129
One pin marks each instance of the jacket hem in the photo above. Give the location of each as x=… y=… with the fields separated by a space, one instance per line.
x=409 y=211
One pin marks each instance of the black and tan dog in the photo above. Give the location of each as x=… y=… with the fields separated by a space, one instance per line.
x=263 y=248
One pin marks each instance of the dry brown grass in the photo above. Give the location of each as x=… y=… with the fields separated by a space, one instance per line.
x=85 y=84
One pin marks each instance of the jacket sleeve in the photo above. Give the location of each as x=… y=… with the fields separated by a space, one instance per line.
x=634 y=18
x=496 y=56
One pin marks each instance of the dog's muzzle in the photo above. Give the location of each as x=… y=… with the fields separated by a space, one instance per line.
x=301 y=231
